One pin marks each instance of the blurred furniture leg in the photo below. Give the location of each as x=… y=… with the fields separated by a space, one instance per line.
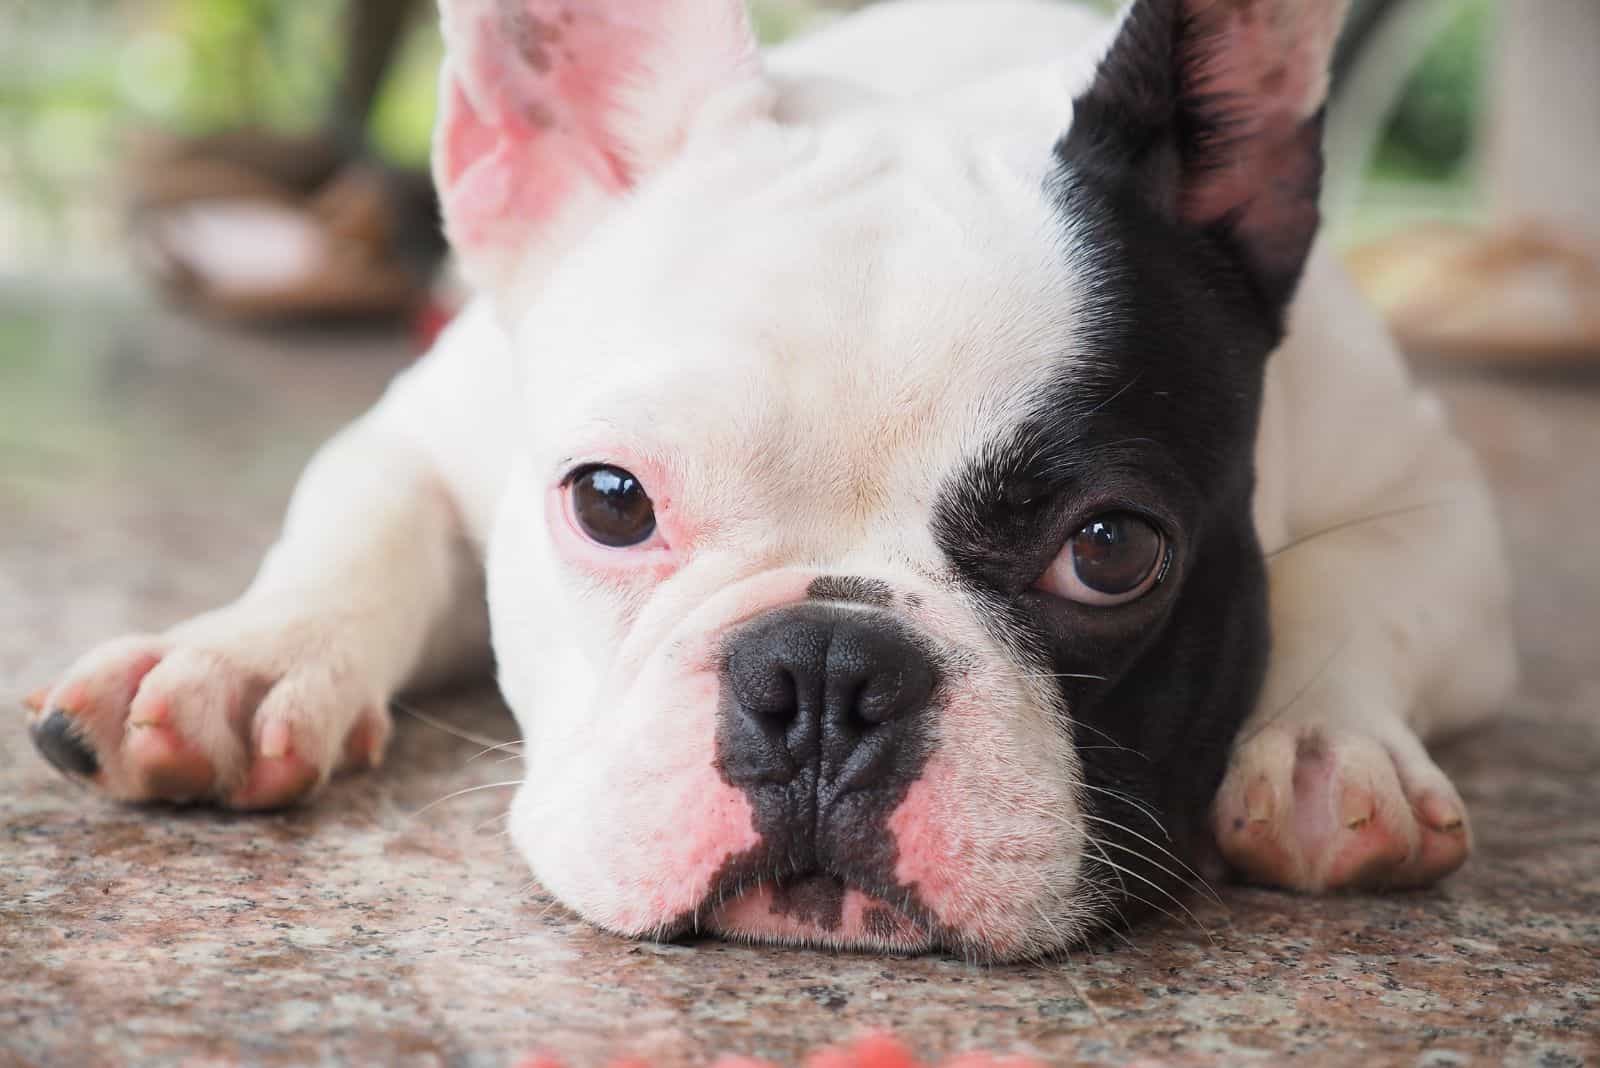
x=1525 y=287
x=256 y=225
x=374 y=31
x=1543 y=124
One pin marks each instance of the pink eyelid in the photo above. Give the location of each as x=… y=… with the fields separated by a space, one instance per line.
x=658 y=552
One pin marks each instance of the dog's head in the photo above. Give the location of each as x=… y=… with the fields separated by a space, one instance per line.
x=878 y=565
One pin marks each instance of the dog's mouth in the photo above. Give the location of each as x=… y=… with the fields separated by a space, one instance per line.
x=819 y=908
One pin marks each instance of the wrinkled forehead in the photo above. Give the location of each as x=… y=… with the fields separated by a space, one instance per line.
x=884 y=302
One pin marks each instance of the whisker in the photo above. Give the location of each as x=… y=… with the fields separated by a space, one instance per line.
x=1132 y=802
x=1114 y=743
x=1063 y=675
x=494 y=748
x=1197 y=877
x=1092 y=840
x=1316 y=677
x=1170 y=896
x=1376 y=517
x=1117 y=395
x=1146 y=902
x=457 y=732
x=1122 y=885
x=497 y=816
x=1051 y=924
x=1187 y=881
x=467 y=790
x=1104 y=897
x=1127 y=942
x=1083 y=996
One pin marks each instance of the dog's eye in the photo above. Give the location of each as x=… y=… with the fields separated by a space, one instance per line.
x=611 y=507
x=1113 y=559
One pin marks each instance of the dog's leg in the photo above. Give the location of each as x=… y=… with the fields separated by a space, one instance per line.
x=1390 y=622
x=374 y=586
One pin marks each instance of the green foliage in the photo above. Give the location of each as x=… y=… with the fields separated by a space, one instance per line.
x=402 y=121
x=75 y=75
x=253 y=61
x=1433 y=130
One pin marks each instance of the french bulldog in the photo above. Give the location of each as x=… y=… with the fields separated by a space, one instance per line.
x=921 y=486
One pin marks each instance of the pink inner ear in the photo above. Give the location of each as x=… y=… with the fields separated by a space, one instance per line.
x=494 y=175
x=1262 y=68
x=531 y=109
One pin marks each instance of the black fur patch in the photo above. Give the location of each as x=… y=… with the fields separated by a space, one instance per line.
x=851 y=588
x=1157 y=414
x=1147 y=132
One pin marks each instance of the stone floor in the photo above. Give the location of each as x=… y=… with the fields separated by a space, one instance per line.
x=143 y=464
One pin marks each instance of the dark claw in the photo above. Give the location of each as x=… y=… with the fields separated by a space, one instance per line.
x=57 y=741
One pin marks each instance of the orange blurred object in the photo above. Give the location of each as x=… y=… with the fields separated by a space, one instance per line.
x=873 y=1051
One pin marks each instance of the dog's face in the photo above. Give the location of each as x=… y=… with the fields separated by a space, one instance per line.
x=878 y=566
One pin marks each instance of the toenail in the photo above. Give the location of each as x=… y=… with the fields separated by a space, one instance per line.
x=1258 y=801
x=35 y=700
x=1439 y=813
x=56 y=738
x=149 y=712
x=1355 y=808
x=275 y=740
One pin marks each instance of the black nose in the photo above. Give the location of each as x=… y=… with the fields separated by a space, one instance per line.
x=818 y=685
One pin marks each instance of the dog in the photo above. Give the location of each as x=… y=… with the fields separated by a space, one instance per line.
x=921 y=485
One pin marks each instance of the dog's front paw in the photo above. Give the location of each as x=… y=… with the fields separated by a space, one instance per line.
x=247 y=713
x=1316 y=806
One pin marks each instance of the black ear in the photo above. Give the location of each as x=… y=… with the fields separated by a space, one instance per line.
x=1210 y=111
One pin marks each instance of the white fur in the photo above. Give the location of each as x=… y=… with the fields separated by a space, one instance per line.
x=804 y=408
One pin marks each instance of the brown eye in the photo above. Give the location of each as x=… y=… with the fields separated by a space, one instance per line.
x=611 y=507
x=1113 y=559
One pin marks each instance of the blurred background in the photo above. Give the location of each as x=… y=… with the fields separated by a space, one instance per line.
x=263 y=161
x=83 y=81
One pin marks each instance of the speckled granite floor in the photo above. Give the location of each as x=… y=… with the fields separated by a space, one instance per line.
x=143 y=463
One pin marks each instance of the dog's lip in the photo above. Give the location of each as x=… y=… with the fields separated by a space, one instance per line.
x=811 y=889
x=819 y=881
x=821 y=908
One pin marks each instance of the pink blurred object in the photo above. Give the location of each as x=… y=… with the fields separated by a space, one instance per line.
x=873 y=1051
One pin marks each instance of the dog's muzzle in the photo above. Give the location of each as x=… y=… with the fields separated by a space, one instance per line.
x=823 y=725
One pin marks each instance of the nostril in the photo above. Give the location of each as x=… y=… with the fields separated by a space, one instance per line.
x=877 y=673
x=892 y=693
x=822 y=687
x=764 y=689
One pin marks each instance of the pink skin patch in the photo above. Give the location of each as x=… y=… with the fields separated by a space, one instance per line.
x=957 y=875
x=535 y=109
x=671 y=824
x=528 y=109
x=863 y=921
x=1266 y=61
x=693 y=853
x=929 y=863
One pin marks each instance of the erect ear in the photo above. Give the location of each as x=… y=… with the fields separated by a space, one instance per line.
x=552 y=109
x=1211 y=112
